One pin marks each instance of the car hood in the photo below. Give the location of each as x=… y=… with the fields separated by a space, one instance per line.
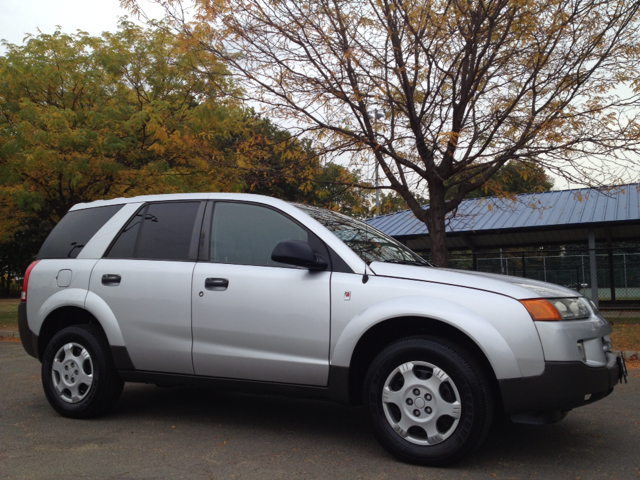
x=516 y=287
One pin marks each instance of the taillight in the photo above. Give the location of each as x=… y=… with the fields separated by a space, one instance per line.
x=25 y=281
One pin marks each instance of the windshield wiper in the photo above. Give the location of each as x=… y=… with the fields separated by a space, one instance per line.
x=422 y=263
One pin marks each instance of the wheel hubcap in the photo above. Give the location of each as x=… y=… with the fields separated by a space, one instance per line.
x=72 y=372
x=421 y=403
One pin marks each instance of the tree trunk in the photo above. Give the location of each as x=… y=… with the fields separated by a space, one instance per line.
x=6 y=283
x=434 y=218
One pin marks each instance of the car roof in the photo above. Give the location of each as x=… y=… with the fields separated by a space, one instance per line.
x=247 y=197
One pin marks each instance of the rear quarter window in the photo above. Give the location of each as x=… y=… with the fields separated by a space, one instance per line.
x=76 y=228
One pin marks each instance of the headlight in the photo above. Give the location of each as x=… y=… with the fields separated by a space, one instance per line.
x=570 y=308
x=554 y=309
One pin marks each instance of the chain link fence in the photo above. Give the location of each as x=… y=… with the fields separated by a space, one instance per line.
x=618 y=272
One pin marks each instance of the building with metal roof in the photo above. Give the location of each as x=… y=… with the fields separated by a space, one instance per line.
x=586 y=215
x=558 y=217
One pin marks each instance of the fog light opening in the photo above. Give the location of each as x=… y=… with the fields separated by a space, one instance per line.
x=581 y=350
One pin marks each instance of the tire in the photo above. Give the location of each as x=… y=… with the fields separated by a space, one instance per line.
x=429 y=402
x=78 y=375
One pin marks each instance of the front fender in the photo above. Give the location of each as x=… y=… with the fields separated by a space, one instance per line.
x=500 y=355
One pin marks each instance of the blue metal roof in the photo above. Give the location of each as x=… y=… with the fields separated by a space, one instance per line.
x=577 y=207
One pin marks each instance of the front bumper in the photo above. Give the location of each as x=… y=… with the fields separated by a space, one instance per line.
x=561 y=387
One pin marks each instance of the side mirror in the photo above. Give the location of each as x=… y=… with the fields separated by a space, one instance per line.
x=299 y=253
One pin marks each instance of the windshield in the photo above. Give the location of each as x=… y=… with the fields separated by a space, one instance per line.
x=370 y=244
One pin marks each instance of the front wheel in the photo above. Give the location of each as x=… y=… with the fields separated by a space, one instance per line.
x=429 y=401
x=78 y=375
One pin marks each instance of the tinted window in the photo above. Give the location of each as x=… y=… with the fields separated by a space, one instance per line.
x=167 y=230
x=124 y=246
x=246 y=234
x=75 y=229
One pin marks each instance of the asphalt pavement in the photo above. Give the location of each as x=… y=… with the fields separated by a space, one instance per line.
x=198 y=434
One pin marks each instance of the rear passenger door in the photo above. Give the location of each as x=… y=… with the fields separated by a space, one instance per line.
x=145 y=279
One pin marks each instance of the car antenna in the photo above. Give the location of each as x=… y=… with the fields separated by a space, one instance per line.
x=365 y=277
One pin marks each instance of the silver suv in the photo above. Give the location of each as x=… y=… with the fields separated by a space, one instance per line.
x=254 y=293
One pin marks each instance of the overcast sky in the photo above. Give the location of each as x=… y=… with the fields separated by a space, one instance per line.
x=19 y=17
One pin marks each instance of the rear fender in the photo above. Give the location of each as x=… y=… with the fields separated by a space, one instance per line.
x=99 y=309
x=70 y=297
x=76 y=297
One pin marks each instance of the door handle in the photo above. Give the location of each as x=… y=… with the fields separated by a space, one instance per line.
x=111 y=280
x=216 y=283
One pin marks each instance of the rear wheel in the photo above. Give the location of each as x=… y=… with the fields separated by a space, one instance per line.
x=78 y=375
x=429 y=401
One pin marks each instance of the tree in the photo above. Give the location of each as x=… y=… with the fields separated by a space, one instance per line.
x=85 y=118
x=442 y=93
x=511 y=179
x=333 y=189
x=17 y=251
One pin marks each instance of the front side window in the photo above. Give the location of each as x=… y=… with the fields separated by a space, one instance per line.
x=245 y=234
x=370 y=244
x=159 y=231
x=75 y=229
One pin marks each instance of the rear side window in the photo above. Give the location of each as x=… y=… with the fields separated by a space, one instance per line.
x=160 y=231
x=125 y=244
x=75 y=229
x=167 y=230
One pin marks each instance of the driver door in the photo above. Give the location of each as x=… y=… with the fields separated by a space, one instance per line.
x=253 y=318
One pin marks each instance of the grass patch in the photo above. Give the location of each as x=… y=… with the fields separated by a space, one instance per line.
x=623 y=320
x=9 y=315
x=626 y=332
x=625 y=337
